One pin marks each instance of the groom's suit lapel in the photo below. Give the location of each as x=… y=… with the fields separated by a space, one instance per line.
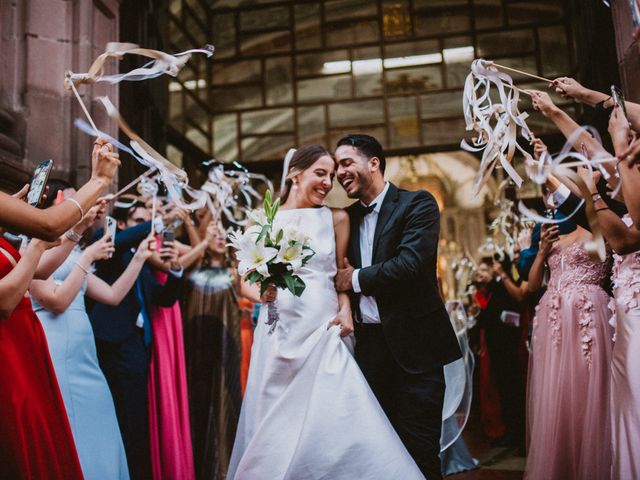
x=389 y=205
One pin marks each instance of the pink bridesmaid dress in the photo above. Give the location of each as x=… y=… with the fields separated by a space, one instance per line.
x=169 y=426
x=625 y=380
x=568 y=397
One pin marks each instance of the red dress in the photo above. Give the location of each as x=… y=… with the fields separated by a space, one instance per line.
x=35 y=436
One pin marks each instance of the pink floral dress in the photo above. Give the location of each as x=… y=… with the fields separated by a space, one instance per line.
x=568 y=397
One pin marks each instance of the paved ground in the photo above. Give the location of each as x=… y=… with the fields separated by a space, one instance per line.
x=496 y=463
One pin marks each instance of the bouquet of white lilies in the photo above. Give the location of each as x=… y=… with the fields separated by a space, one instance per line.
x=271 y=255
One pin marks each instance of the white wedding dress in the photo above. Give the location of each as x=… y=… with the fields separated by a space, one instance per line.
x=308 y=412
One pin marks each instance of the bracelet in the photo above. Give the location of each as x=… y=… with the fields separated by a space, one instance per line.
x=86 y=272
x=72 y=235
x=77 y=204
x=602 y=208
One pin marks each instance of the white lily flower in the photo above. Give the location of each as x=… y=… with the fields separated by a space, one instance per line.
x=255 y=256
x=291 y=255
x=238 y=239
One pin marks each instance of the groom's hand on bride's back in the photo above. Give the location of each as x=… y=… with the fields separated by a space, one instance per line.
x=343 y=277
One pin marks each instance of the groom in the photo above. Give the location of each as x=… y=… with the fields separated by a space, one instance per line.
x=403 y=333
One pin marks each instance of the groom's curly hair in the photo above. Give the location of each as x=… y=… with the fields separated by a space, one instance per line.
x=303 y=159
x=366 y=145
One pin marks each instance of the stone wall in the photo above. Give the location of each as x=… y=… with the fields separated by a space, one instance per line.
x=40 y=40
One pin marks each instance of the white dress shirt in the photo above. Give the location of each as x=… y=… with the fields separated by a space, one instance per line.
x=368 y=306
x=560 y=195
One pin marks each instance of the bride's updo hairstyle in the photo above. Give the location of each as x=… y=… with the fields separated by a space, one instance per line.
x=303 y=159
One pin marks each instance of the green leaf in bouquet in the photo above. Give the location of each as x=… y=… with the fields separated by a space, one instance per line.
x=263 y=232
x=279 y=236
x=289 y=282
x=274 y=208
x=254 y=277
x=299 y=286
x=308 y=257
x=267 y=205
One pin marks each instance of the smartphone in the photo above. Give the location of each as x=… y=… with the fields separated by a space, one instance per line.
x=618 y=99
x=17 y=241
x=110 y=227
x=168 y=236
x=39 y=182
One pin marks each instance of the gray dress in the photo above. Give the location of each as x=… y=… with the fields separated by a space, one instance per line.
x=85 y=391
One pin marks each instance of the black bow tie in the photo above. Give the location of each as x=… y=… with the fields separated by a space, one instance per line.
x=362 y=210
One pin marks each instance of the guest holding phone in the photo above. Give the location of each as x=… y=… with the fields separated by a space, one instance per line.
x=35 y=436
x=17 y=216
x=124 y=332
x=59 y=303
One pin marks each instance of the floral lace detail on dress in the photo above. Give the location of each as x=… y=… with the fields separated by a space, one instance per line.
x=554 y=304
x=573 y=272
x=586 y=325
x=626 y=280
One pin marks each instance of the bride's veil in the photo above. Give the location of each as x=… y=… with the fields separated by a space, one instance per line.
x=285 y=168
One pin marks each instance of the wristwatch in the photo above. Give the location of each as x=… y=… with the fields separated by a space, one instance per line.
x=74 y=236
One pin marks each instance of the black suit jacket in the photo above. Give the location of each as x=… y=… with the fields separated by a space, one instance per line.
x=117 y=323
x=402 y=278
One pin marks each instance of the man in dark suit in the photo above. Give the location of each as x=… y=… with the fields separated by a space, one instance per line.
x=123 y=334
x=403 y=333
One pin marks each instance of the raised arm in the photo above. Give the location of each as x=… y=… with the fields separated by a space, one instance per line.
x=15 y=283
x=568 y=87
x=198 y=249
x=53 y=258
x=55 y=297
x=542 y=102
x=102 y=292
x=548 y=236
x=52 y=222
x=341 y=229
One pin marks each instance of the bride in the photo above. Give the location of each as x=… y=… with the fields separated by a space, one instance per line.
x=308 y=412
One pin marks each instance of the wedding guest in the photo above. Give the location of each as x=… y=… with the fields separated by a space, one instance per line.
x=499 y=320
x=59 y=304
x=170 y=429
x=568 y=404
x=213 y=354
x=123 y=333
x=625 y=242
x=35 y=435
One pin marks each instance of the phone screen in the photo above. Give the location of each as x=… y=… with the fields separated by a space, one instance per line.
x=39 y=182
x=168 y=236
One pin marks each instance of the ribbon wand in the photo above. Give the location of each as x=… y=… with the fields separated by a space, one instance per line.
x=134 y=182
